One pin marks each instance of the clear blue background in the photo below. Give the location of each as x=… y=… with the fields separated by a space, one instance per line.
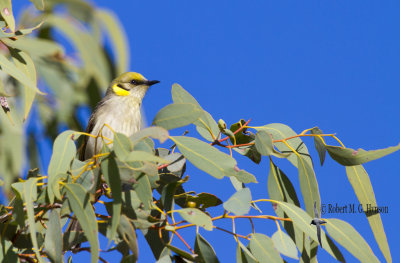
x=331 y=64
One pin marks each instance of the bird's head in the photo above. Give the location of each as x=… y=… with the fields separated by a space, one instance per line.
x=130 y=84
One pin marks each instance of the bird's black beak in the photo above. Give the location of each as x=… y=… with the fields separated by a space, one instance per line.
x=152 y=82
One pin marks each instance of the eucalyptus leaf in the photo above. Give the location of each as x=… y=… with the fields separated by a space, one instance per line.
x=263 y=249
x=79 y=202
x=205 y=157
x=204 y=250
x=319 y=144
x=110 y=172
x=362 y=187
x=239 y=203
x=197 y=217
x=177 y=115
x=64 y=151
x=53 y=242
x=284 y=244
x=349 y=157
x=350 y=239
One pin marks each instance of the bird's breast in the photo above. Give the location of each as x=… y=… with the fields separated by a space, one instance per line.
x=122 y=116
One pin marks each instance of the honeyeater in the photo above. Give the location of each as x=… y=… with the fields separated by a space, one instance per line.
x=118 y=110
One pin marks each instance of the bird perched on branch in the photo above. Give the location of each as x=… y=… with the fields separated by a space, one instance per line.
x=119 y=110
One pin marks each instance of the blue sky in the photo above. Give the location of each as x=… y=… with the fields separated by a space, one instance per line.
x=331 y=64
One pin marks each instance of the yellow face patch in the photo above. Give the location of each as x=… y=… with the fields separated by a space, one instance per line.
x=120 y=91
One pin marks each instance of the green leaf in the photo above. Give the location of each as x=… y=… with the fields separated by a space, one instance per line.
x=36 y=47
x=205 y=124
x=7 y=14
x=30 y=196
x=167 y=195
x=205 y=200
x=110 y=172
x=239 y=203
x=281 y=189
x=197 y=217
x=284 y=244
x=11 y=69
x=308 y=185
x=204 y=250
x=158 y=133
x=64 y=151
x=92 y=55
x=7 y=254
x=177 y=115
x=39 y=4
x=180 y=95
x=302 y=220
x=349 y=157
x=24 y=63
x=350 y=239
x=144 y=192
x=53 y=242
x=128 y=234
x=142 y=156
x=281 y=131
x=122 y=145
x=250 y=152
x=79 y=202
x=263 y=249
x=243 y=255
x=264 y=143
x=182 y=253
x=19 y=32
x=177 y=162
x=319 y=144
x=117 y=36
x=245 y=177
x=362 y=186
x=205 y=157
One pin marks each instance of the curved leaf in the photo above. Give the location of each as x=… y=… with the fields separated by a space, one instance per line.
x=302 y=220
x=349 y=157
x=24 y=63
x=239 y=203
x=284 y=244
x=204 y=250
x=350 y=239
x=53 y=241
x=197 y=217
x=281 y=131
x=177 y=115
x=205 y=157
x=117 y=37
x=64 y=151
x=263 y=249
x=79 y=202
x=308 y=185
x=362 y=186
x=7 y=14
x=30 y=195
x=110 y=172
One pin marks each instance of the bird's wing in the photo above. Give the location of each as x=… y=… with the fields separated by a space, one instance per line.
x=89 y=130
x=315 y=210
x=319 y=234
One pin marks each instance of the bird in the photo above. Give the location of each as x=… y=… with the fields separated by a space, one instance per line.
x=317 y=222
x=118 y=111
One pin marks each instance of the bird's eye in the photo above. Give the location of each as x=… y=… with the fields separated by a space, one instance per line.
x=133 y=82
